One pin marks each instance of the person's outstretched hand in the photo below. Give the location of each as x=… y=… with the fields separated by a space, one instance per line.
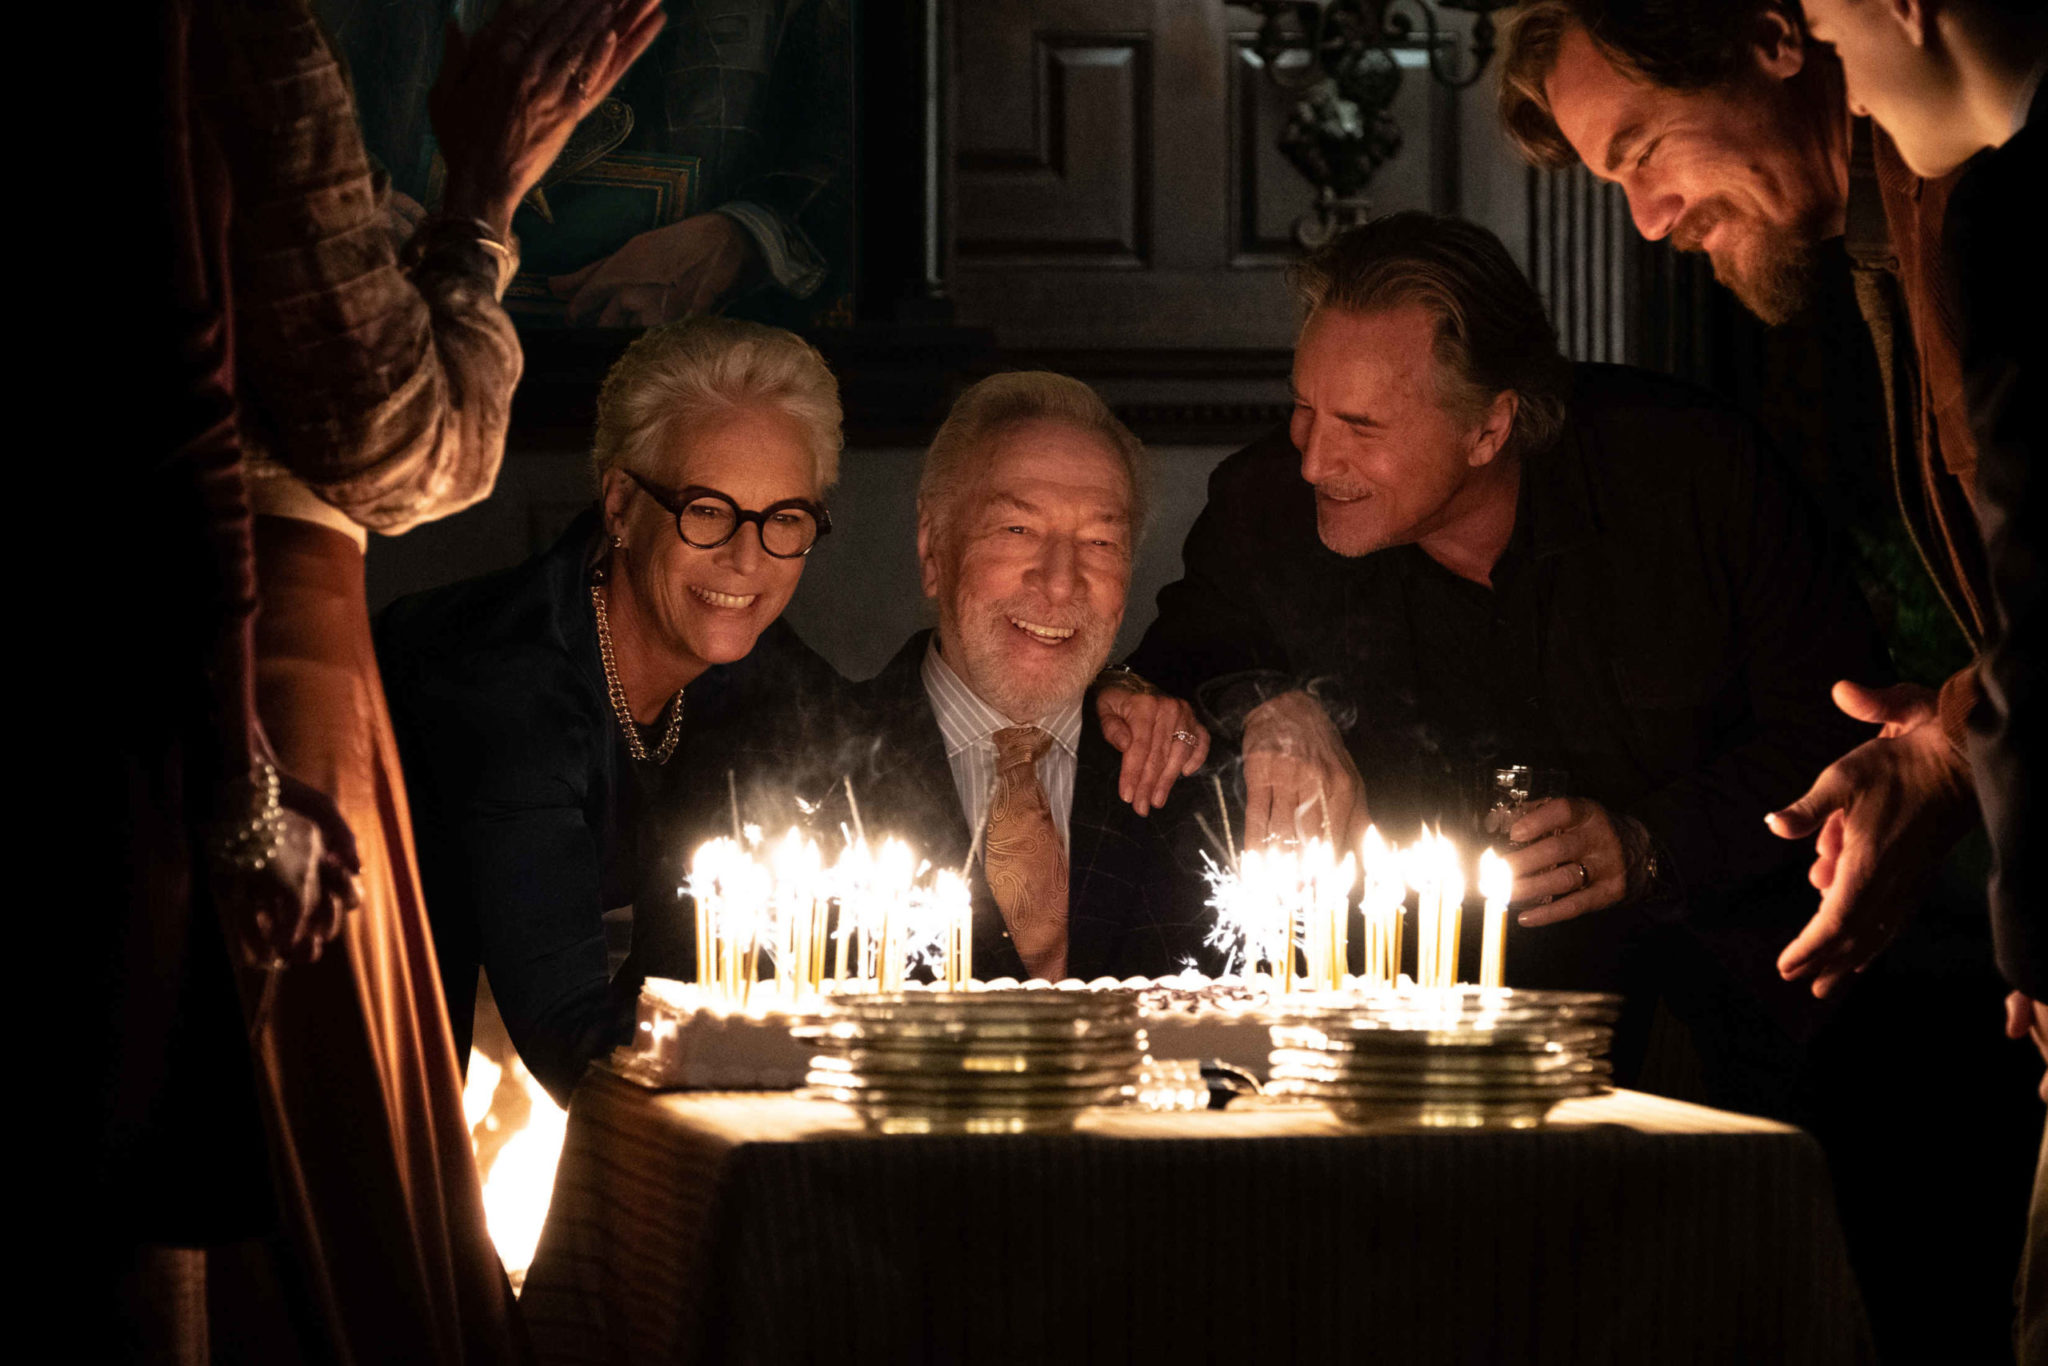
x=2026 y=1018
x=1159 y=738
x=1884 y=816
x=509 y=95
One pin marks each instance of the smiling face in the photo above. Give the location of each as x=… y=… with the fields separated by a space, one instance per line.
x=1742 y=172
x=1893 y=75
x=1030 y=566
x=704 y=607
x=1386 y=455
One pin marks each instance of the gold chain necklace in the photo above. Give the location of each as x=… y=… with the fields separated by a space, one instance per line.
x=618 y=692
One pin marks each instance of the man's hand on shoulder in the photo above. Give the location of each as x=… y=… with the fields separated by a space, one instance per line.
x=1299 y=781
x=1158 y=735
x=1884 y=815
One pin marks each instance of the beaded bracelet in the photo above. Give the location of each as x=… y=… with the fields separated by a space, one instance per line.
x=253 y=840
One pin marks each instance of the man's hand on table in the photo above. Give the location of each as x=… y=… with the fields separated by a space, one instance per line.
x=1158 y=736
x=1885 y=815
x=2026 y=1018
x=1572 y=861
x=1299 y=781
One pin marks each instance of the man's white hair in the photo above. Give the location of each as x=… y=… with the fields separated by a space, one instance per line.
x=684 y=374
x=958 y=455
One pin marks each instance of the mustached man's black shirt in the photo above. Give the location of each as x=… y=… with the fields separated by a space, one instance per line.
x=1665 y=626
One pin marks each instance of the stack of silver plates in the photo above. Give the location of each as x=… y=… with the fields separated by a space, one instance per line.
x=1460 y=1057
x=974 y=1061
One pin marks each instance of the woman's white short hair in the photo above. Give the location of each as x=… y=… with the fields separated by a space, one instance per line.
x=958 y=453
x=682 y=374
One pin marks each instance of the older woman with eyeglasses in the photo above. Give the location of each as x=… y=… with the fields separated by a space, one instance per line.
x=541 y=711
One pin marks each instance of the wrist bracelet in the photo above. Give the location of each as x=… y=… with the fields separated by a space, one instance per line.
x=250 y=840
x=503 y=248
x=1642 y=864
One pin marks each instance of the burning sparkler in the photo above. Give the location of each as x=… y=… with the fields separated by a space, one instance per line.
x=1284 y=913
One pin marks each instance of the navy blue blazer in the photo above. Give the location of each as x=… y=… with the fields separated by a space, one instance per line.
x=529 y=814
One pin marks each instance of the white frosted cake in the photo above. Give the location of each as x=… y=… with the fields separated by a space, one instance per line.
x=683 y=1041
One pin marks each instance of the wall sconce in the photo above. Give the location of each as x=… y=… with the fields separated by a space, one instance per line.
x=1340 y=131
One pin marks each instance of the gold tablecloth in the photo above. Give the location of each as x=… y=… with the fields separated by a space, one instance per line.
x=694 y=1227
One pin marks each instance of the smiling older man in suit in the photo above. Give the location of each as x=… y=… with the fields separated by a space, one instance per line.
x=1029 y=508
x=996 y=743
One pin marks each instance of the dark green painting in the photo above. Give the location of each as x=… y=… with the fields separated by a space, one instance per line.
x=717 y=178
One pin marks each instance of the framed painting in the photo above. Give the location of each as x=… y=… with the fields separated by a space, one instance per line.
x=718 y=177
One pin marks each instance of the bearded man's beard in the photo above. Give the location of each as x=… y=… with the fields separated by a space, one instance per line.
x=1051 y=680
x=1769 y=267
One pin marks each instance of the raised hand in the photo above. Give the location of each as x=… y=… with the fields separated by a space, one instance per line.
x=509 y=95
x=2026 y=1018
x=1883 y=816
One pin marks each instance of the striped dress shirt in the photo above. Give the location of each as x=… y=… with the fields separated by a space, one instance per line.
x=967 y=724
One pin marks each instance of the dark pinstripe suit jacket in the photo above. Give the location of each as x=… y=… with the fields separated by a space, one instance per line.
x=1135 y=902
x=1134 y=898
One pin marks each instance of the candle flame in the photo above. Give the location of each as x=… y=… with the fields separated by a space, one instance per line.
x=872 y=914
x=1496 y=879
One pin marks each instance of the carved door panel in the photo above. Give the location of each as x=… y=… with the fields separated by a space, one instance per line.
x=1118 y=180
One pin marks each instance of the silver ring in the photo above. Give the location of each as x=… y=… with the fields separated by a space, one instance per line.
x=1186 y=737
x=1584 y=877
x=578 y=84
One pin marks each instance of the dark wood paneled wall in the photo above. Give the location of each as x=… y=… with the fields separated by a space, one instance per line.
x=1119 y=184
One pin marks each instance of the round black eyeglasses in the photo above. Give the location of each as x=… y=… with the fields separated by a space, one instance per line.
x=706 y=519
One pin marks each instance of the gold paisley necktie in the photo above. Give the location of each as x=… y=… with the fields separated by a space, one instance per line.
x=1026 y=863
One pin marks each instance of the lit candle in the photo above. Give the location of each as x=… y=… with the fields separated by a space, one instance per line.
x=1440 y=888
x=1332 y=883
x=1382 y=908
x=1451 y=912
x=1420 y=859
x=1496 y=884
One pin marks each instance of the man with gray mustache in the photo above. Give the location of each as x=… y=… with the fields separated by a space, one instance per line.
x=1465 y=553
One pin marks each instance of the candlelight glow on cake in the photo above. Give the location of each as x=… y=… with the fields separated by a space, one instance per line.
x=780 y=931
x=866 y=922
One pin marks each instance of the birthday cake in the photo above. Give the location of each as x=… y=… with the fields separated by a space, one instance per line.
x=686 y=1038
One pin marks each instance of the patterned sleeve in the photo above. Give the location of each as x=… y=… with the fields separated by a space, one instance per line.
x=381 y=379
